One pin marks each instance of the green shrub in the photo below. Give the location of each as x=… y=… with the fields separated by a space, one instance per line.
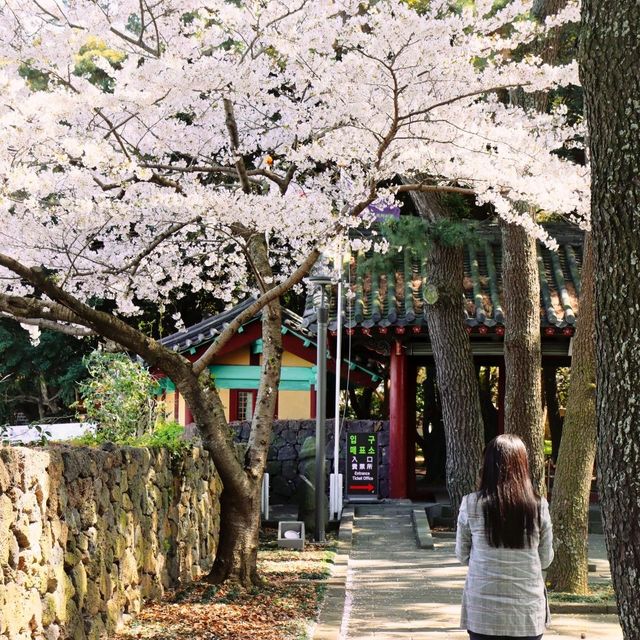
x=119 y=396
x=166 y=435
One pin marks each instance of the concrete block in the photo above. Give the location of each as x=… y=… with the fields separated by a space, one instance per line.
x=422 y=529
x=295 y=527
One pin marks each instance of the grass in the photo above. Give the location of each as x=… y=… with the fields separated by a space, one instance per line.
x=599 y=594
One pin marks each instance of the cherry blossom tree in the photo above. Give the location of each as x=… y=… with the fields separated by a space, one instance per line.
x=227 y=144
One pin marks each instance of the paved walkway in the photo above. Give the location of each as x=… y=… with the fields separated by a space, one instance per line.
x=395 y=590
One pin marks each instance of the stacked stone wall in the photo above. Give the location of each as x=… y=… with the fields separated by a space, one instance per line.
x=87 y=535
x=283 y=462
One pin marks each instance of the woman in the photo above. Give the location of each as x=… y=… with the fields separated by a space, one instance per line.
x=504 y=535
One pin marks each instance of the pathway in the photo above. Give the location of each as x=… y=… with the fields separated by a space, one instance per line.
x=395 y=590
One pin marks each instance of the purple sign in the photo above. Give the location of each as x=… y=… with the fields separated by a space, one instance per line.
x=383 y=210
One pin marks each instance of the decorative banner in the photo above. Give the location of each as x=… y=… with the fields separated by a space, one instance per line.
x=362 y=465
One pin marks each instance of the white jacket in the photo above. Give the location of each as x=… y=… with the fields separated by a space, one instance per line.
x=504 y=593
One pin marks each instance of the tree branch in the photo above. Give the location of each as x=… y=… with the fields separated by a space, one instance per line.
x=67 y=308
x=271 y=295
x=51 y=325
x=232 y=128
x=31 y=310
x=434 y=188
x=471 y=94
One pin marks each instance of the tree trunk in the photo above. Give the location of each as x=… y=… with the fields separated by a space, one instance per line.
x=239 y=502
x=550 y=388
x=610 y=50
x=456 y=375
x=457 y=382
x=237 y=552
x=522 y=348
x=572 y=484
x=361 y=406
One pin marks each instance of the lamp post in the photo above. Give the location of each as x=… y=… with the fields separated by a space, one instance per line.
x=320 y=282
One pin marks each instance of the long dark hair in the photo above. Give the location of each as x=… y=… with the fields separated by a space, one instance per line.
x=510 y=505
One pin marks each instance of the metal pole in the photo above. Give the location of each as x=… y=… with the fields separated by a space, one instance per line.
x=336 y=507
x=321 y=404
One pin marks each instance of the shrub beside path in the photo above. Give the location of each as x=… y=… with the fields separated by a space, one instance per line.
x=395 y=590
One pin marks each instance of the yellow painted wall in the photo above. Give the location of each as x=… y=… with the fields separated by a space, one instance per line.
x=294 y=405
x=241 y=356
x=292 y=360
x=168 y=405
x=224 y=396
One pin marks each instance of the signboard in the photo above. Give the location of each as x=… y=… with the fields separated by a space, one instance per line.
x=362 y=465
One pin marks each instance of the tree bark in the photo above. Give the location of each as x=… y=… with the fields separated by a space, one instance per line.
x=236 y=556
x=572 y=484
x=522 y=347
x=574 y=469
x=456 y=375
x=550 y=388
x=238 y=539
x=610 y=50
x=521 y=284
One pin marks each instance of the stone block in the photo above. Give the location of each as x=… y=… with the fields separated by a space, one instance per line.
x=21 y=532
x=7 y=518
x=5 y=478
x=291 y=535
x=93 y=601
x=79 y=577
x=289 y=470
x=50 y=609
x=72 y=465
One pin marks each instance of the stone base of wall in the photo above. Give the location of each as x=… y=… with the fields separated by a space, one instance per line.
x=87 y=535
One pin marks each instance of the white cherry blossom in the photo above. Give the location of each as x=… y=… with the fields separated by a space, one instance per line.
x=279 y=117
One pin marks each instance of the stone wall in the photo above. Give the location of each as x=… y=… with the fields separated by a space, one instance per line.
x=86 y=535
x=288 y=435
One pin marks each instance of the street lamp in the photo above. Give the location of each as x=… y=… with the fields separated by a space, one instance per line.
x=320 y=299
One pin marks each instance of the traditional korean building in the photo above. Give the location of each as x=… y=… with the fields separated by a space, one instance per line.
x=386 y=347
x=236 y=369
x=386 y=330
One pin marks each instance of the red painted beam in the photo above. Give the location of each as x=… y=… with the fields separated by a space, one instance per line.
x=398 y=423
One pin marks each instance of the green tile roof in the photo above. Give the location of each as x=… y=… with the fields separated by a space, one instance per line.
x=395 y=297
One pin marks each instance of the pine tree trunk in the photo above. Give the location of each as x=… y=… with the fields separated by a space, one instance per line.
x=456 y=374
x=550 y=388
x=457 y=381
x=522 y=348
x=610 y=50
x=572 y=484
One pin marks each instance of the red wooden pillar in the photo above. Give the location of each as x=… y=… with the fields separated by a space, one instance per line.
x=501 y=388
x=188 y=416
x=410 y=391
x=312 y=401
x=398 y=423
